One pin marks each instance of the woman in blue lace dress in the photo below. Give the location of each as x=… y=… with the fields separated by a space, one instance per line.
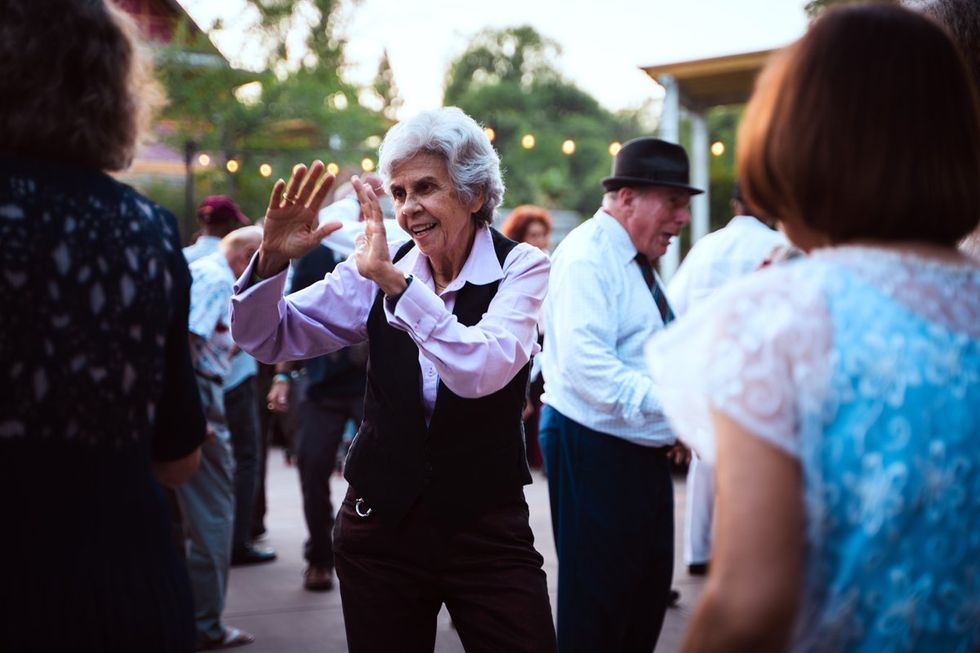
x=840 y=393
x=99 y=402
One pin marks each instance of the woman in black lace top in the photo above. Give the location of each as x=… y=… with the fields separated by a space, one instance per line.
x=99 y=404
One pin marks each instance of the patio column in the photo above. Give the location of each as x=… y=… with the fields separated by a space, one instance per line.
x=700 y=177
x=670 y=120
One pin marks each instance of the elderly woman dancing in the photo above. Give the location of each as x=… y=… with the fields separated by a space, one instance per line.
x=435 y=513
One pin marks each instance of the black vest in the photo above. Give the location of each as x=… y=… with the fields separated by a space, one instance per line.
x=471 y=455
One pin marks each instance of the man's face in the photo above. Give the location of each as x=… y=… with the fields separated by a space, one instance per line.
x=654 y=215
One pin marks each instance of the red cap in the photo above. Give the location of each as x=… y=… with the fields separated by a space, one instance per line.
x=219 y=208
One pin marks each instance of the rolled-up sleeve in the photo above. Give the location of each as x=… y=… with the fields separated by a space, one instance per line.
x=319 y=319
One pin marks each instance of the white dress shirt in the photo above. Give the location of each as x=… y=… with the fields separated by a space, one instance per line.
x=203 y=246
x=212 y=284
x=598 y=315
x=736 y=249
x=347 y=212
x=243 y=366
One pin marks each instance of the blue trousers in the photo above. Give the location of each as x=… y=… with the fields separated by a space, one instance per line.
x=612 y=511
x=207 y=503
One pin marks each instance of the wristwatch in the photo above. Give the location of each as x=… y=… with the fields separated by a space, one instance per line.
x=392 y=300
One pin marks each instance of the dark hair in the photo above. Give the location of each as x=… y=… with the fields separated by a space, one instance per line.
x=74 y=84
x=867 y=127
x=962 y=19
x=521 y=218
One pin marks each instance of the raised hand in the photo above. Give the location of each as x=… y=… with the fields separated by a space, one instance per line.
x=371 y=252
x=291 y=229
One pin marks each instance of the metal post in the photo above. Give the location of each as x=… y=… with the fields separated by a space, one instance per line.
x=700 y=177
x=670 y=121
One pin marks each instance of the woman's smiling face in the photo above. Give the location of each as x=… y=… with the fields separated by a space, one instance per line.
x=428 y=207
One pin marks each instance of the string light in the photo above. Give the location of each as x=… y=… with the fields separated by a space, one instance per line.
x=339 y=100
x=717 y=148
x=333 y=168
x=265 y=170
x=203 y=159
x=491 y=134
x=568 y=147
x=231 y=166
x=367 y=165
x=614 y=148
x=527 y=141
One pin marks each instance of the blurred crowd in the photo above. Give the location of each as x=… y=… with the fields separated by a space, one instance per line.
x=814 y=366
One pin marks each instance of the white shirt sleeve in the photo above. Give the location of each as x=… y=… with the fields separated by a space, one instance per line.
x=584 y=348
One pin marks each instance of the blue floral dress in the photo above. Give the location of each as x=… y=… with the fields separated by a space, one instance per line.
x=863 y=365
x=97 y=385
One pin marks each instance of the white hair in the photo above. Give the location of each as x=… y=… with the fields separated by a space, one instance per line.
x=472 y=163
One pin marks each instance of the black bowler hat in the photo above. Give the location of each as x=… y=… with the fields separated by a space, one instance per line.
x=650 y=162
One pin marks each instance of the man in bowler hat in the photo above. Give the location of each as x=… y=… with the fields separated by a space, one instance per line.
x=607 y=445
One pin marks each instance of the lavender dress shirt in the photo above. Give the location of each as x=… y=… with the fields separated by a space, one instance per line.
x=472 y=361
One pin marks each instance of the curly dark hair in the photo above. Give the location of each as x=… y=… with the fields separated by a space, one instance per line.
x=75 y=84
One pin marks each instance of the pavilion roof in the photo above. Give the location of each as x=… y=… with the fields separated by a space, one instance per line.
x=714 y=81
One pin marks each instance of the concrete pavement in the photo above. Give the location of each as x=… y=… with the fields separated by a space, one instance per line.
x=269 y=600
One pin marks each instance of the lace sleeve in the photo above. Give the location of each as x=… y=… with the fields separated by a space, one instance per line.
x=756 y=351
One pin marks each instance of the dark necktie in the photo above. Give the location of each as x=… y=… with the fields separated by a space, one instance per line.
x=659 y=298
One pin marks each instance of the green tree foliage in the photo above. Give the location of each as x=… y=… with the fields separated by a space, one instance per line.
x=296 y=108
x=506 y=79
x=722 y=127
x=387 y=90
x=814 y=7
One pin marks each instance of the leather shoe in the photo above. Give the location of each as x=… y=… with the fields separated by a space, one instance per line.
x=318 y=578
x=252 y=555
x=698 y=569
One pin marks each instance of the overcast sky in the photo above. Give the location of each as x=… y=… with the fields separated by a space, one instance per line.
x=604 y=42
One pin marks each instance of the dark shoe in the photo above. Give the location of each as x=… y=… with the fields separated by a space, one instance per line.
x=252 y=555
x=231 y=638
x=698 y=569
x=673 y=599
x=318 y=578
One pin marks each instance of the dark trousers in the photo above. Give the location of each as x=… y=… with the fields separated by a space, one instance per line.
x=531 y=424
x=263 y=381
x=394 y=581
x=612 y=510
x=243 y=427
x=321 y=429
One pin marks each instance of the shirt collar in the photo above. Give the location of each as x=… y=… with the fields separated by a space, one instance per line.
x=481 y=266
x=619 y=239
